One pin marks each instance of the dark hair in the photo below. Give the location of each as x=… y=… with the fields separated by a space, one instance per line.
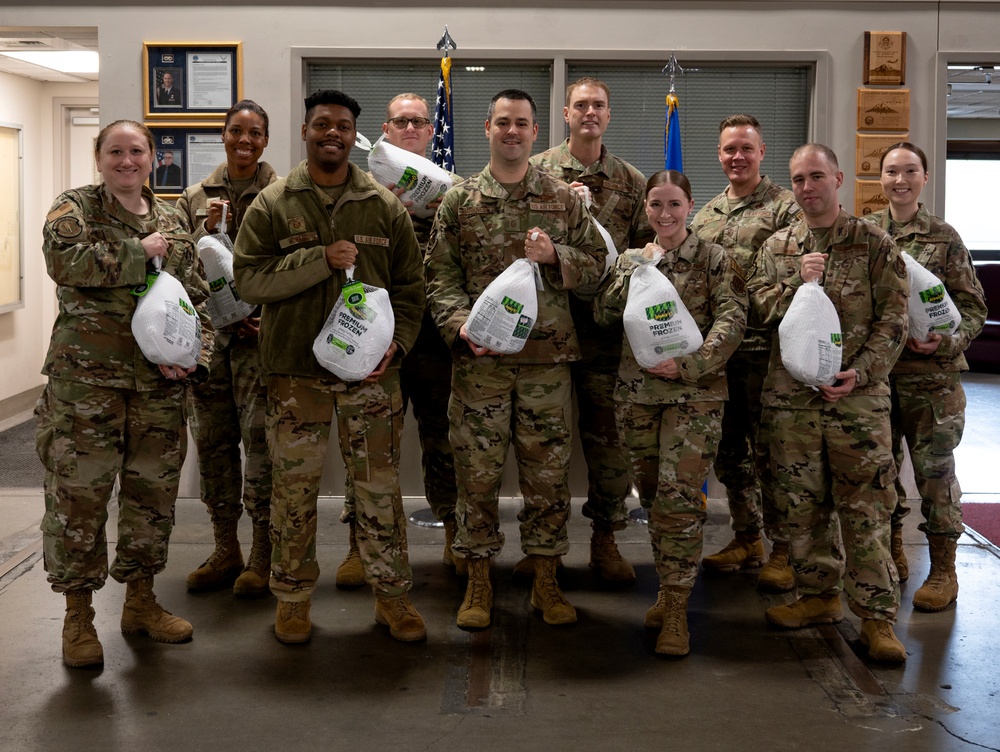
x=826 y=151
x=331 y=96
x=250 y=106
x=103 y=135
x=513 y=94
x=909 y=147
x=669 y=177
x=735 y=121
x=588 y=81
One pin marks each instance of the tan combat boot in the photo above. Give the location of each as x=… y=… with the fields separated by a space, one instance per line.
x=777 y=575
x=399 y=614
x=940 y=589
x=143 y=615
x=291 y=623
x=80 y=646
x=654 y=616
x=255 y=578
x=351 y=572
x=524 y=570
x=898 y=554
x=221 y=569
x=807 y=611
x=745 y=551
x=606 y=560
x=878 y=637
x=546 y=595
x=474 y=613
x=673 y=637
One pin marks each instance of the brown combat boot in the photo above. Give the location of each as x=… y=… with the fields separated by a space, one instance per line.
x=777 y=575
x=546 y=595
x=291 y=623
x=940 y=589
x=898 y=554
x=221 y=569
x=255 y=578
x=80 y=646
x=606 y=560
x=474 y=613
x=654 y=616
x=673 y=637
x=878 y=637
x=524 y=570
x=807 y=611
x=143 y=615
x=745 y=551
x=351 y=572
x=400 y=615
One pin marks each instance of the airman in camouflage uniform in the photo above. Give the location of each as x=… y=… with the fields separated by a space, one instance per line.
x=740 y=219
x=928 y=402
x=617 y=190
x=832 y=461
x=483 y=225
x=296 y=241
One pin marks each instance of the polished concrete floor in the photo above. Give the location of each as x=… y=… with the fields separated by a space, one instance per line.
x=522 y=685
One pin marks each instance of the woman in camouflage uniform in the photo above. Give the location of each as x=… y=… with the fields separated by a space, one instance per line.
x=670 y=416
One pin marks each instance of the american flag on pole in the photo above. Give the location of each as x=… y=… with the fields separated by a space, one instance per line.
x=443 y=145
x=673 y=159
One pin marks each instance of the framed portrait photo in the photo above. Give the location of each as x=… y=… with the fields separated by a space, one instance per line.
x=185 y=80
x=184 y=154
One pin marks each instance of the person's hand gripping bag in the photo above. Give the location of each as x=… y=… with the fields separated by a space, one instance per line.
x=165 y=324
x=931 y=308
x=225 y=306
x=422 y=181
x=505 y=313
x=809 y=337
x=357 y=332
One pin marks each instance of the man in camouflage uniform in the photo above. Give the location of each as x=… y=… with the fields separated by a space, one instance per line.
x=832 y=461
x=617 y=191
x=296 y=241
x=511 y=210
x=740 y=219
x=425 y=373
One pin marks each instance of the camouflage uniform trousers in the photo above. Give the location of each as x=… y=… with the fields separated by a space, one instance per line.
x=369 y=422
x=227 y=408
x=743 y=466
x=834 y=472
x=490 y=401
x=87 y=437
x=607 y=467
x=928 y=410
x=671 y=448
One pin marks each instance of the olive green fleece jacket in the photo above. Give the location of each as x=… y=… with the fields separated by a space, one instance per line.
x=280 y=263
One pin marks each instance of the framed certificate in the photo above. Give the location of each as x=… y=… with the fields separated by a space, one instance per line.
x=11 y=218
x=870 y=148
x=868 y=197
x=185 y=154
x=185 y=80
x=885 y=58
x=883 y=109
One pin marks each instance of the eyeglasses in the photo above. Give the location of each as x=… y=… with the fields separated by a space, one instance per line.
x=402 y=122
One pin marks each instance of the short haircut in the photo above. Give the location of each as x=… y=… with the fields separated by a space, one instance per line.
x=515 y=95
x=826 y=151
x=248 y=105
x=407 y=95
x=736 y=121
x=331 y=96
x=669 y=177
x=588 y=81
x=106 y=130
x=909 y=147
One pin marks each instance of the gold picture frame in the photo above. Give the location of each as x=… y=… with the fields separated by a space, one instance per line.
x=184 y=154
x=190 y=80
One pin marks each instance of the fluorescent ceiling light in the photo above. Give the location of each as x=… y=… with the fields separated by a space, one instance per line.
x=65 y=61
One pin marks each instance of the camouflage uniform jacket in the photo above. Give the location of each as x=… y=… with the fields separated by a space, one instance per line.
x=711 y=285
x=479 y=231
x=93 y=252
x=742 y=226
x=280 y=262
x=865 y=277
x=936 y=245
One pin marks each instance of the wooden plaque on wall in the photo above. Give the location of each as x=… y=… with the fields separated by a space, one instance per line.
x=868 y=197
x=870 y=149
x=885 y=58
x=883 y=109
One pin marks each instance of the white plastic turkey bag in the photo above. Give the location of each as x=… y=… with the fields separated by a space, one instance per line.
x=357 y=332
x=506 y=311
x=589 y=291
x=422 y=181
x=165 y=325
x=225 y=305
x=809 y=337
x=931 y=307
x=657 y=323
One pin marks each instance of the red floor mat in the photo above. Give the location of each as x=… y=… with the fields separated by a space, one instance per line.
x=984 y=519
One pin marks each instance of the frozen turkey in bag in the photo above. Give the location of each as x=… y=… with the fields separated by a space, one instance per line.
x=809 y=337
x=657 y=323
x=357 y=332
x=225 y=305
x=931 y=308
x=422 y=181
x=165 y=324
x=506 y=311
